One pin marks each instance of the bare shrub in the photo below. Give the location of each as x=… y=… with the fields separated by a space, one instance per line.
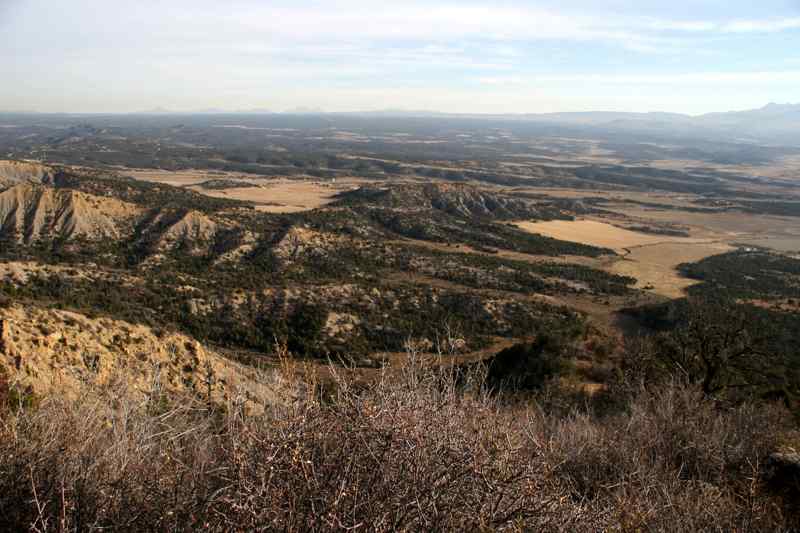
x=411 y=454
x=672 y=462
x=416 y=451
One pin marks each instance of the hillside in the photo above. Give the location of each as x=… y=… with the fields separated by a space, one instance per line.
x=47 y=351
x=239 y=278
x=486 y=267
x=29 y=213
x=459 y=200
x=13 y=172
x=172 y=229
x=427 y=351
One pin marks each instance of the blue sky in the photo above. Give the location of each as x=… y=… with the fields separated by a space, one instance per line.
x=464 y=56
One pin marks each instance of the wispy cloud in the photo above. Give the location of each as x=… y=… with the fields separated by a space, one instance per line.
x=444 y=22
x=770 y=25
x=680 y=79
x=761 y=26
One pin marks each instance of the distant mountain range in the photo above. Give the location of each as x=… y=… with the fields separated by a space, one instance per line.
x=209 y=111
x=773 y=123
x=777 y=124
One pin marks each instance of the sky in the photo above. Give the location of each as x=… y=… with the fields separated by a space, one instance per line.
x=453 y=56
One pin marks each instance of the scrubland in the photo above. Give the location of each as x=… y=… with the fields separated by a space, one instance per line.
x=218 y=344
x=429 y=449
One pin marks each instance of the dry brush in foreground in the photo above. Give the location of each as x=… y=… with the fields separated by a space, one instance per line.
x=417 y=452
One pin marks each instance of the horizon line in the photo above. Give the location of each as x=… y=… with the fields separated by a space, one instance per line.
x=312 y=111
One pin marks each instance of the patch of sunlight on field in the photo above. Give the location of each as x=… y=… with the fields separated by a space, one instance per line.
x=282 y=197
x=655 y=265
x=600 y=234
x=650 y=259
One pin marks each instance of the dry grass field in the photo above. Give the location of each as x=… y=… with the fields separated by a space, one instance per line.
x=651 y=259
x=600 y=234
x=726 y=223
x=779 y=233
x=178 y=178
x=785 y=168
x=282 y=196
x=271 y=195
x=654 y=265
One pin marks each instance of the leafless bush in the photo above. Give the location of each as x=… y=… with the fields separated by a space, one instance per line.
x=674 y=461
x=410 y=454
x=414 y=452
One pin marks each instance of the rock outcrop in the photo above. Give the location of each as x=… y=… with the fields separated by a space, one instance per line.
x=15 y=172
x=171 y=229
x=29 y=213
x=302 y=243
x=63 y=352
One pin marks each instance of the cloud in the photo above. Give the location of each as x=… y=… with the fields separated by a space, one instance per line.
x=144 y=22
x=772 y=25
x=448 y=21
x=680 y=79
x=210 y=50
x=761 y=26
x=353 y=28
x=401 y=23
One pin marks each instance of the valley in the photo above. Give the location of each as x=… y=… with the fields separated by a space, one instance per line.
x=359 y=245
x=299 y=266
x=382 y=267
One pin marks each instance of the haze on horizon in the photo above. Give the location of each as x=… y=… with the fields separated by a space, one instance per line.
x=465 y=56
